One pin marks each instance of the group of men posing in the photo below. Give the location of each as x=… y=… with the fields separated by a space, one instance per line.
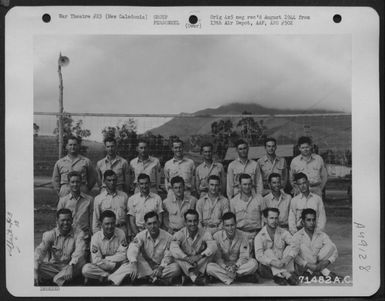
x=142 y=239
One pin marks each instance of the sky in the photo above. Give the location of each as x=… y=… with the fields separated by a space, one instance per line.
x=187 y=73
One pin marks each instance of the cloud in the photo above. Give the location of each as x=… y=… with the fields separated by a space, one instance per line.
x=173 y=74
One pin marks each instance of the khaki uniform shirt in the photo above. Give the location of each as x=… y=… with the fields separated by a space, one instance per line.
x=183 y=245
x=235 y=169
x=157 y=250
x=176 y=210
x=235 y=251
x=300 y=202
x=116 y=202
x=312 y=168
x=282 y=239
x=318 y=241
x=119 y=166
x=105 y=252
x=184 y=168
x=282 y=203
x=267 y=168
x=202 y=173
x=150 y=167
x=138 y=206
x=248 y=214
x=60 y=249
x=210 y=212
x=65 y=165
x=81 y=209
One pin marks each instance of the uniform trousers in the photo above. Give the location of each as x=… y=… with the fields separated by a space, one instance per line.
x=144 y=269
x=269 y=271
x=55 y=271
x=307 y=255
x=114 y=274
x=217 y=271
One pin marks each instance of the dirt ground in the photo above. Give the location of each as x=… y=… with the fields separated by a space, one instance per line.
x=338 y=226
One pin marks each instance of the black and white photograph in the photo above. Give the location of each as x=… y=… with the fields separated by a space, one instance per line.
x=192 y=161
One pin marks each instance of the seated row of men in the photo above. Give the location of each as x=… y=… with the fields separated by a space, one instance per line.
x=155 y=256
x=195 y=178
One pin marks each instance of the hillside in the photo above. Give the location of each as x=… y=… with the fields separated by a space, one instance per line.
x=328 y=130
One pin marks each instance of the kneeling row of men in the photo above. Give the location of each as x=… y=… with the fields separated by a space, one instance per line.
x=155 y=256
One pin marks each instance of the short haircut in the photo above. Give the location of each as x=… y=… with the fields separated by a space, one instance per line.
x=74 y=173
x=143 y=176
x=191 y=211
x=109 y=173
x=303 y=140
x=308 y=211
x=266 y=211
x=207 y=144
x=63 y=211
x=214 y=177
x=300 y=175
x=150 y=215
x=142 y=141
x=177 y=141
x=274 y=175
x=176 y=179
x=229 y=215
x=270 y=139
x=239 y=142
x=109 y=139
x=243 y=176
x=73 y=137
x=107 y=213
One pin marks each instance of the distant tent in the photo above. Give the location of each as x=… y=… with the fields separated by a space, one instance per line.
x=256 y=152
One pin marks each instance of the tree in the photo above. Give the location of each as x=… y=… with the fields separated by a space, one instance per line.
x=126 y=137
x=251 y=130
x=36 y=130
x=72 y=128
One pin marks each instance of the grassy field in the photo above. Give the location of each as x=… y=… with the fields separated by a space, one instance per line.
x=338 y=212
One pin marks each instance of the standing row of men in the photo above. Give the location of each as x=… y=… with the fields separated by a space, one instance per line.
x=195 y=178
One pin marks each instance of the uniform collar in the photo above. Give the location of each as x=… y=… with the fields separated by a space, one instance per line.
x=225 y=237
x=240 y=161
x=112 y=194
x=112 y=237
x=57 y=232
x=117 y=158
x=78 y=198
x=205 y=164
x=174 y=160
x=310 y=158
x=308 y=197
x=266 y=158
x=138 y=160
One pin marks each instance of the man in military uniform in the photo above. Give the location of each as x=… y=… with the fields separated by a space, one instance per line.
x=242 y=165
x=176 y=205
x=116 y=163
x=305 y=199
x=275 y=250
x=149 y=254
x=111 y=199
x=73 y=162
x=247 y=208
x=108 y=253
x=310 y=164
x=207 y=168
x=192 y=248
x=63 y=248
x=146 y=164
x=232 y=260
x=181 y=166
x=142 y=202
x=79 y=203
x=271 y=163
x=277 y=198
x=212 y=206
x=316 y=250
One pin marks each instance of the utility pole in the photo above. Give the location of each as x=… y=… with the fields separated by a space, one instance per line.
x=63 y=61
